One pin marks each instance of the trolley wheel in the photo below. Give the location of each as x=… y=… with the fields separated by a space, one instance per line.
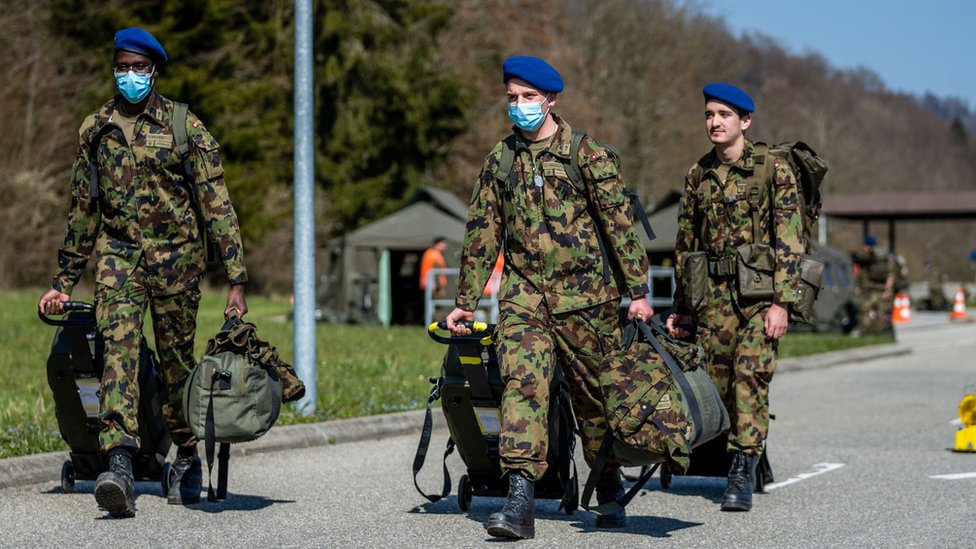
x=666 y=477
x=465 y=493
x=68 y=477
x=164 y=479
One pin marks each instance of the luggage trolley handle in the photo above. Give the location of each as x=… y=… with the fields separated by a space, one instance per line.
x=71 y=320
x=479 y=331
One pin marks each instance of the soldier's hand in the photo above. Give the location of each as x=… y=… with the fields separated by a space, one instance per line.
x=236 y=304
x=674 y=325
x=640 y=308
x=459 y=315
x=776 y=322
x=52 y=302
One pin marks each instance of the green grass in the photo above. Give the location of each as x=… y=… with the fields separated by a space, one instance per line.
x=361 y=370
x=800 y=344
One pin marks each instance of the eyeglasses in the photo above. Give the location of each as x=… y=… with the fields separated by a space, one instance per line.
x=140 y=67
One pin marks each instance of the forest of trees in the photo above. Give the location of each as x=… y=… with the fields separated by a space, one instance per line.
x=408 y=93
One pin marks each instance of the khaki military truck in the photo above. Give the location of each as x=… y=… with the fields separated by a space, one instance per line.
x=836 y=308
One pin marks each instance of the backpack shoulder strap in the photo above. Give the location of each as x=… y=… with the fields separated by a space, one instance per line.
x=180 y=137
x=761 y=177
x=575 y=173
x=93 y=143
x=179 y=128
x=504 y=169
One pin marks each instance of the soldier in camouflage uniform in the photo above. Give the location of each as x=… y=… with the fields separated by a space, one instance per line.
x=875 y=289
x=738 y=333
x=556 y=307
x=137 y=217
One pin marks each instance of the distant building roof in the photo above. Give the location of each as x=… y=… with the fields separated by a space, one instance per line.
x=909 y=205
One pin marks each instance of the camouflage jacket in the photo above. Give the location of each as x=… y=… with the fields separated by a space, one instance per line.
x=143 y=211
x=875 y=269
x=551 y=237
x=728 y=222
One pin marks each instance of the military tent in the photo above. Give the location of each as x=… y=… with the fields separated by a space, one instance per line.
x=372 y=273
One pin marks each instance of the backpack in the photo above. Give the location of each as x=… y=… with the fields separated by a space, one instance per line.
x=235 y=393
x=575 y=174
x=660 y=403
x=810 y=170
x=211 y=252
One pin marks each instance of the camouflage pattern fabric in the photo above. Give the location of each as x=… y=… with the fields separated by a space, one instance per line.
x=741 y=361
x=242 y=339
x=143 y=208
x=554 y=305
x=644 y=405
x=730 y=327
x=551 y=239
x=530 y=344
x=873 y=308
x=119 y=313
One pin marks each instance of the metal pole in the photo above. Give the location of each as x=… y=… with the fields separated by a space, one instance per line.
x=304 y=208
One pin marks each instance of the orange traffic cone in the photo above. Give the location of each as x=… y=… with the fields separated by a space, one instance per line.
x=959 y=306
x=902 y=311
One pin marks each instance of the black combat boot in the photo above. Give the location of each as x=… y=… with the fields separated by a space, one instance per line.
x=185 y=477
x=609 y=488
x=738 y=495
x=113 y=488
x=516 y=520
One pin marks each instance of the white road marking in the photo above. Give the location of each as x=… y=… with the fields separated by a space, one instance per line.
x=820 y=468
x=953 y=476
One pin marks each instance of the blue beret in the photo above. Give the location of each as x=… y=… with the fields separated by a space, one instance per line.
x=870 y=240
x=533 y=70
x=140 y=41
x=727 y=93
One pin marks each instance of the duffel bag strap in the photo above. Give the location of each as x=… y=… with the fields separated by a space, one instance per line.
x=599 y=465
x=679 y=375
x=210 y=443
x=421 y=456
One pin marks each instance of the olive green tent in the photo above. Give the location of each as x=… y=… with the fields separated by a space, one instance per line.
x=372 y=273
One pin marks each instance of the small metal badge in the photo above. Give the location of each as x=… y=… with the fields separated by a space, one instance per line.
x=538 y=180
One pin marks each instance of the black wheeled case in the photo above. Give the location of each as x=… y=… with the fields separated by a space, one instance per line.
x=470 y=389
x=74 y=373
x=713 y=460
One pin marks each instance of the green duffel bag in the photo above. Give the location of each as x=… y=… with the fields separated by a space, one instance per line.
x=230 y=397
x=660 y=404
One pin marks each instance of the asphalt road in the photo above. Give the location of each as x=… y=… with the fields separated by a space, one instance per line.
x=856 y=449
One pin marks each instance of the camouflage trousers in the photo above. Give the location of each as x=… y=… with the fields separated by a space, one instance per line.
x=874 y=311
x=530 y=346
x=741 y=362
x=119 y=313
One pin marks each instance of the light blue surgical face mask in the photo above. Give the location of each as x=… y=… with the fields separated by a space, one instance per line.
x=527 y=116
x=134 y=86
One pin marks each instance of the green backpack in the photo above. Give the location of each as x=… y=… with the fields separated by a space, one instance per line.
x=810 y=170
x=235 y=393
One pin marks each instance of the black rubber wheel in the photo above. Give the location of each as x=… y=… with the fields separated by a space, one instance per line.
x=465 y=493
x=164 y=479
x=68 y=477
